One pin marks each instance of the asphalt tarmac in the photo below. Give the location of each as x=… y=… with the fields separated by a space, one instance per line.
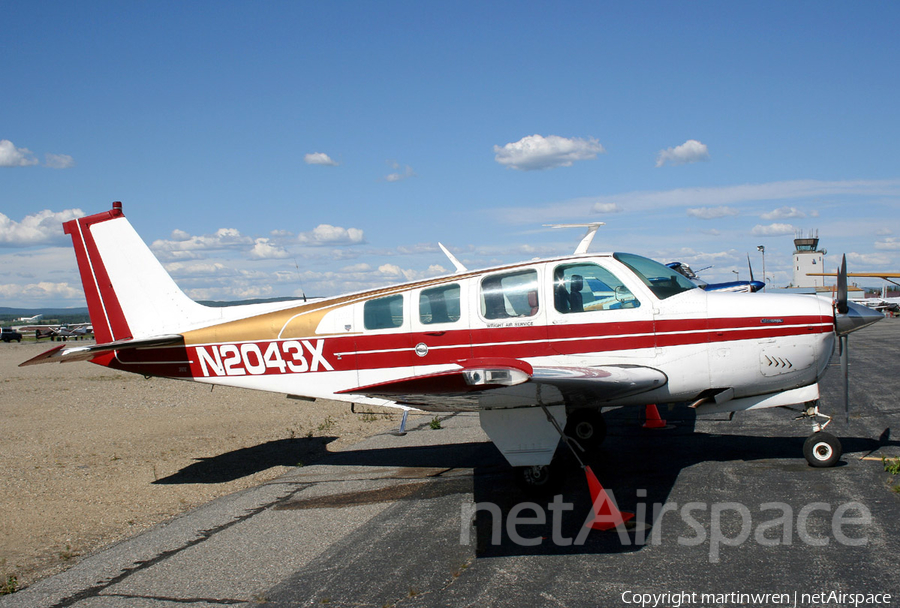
x=736 y=518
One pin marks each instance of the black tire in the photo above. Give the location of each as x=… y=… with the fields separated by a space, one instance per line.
x=588 y=427
x=822 y=450
x=540 y=481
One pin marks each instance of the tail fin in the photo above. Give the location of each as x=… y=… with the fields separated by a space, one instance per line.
x=129 y=294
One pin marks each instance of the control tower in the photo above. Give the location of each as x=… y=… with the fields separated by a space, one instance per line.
x=808 y=258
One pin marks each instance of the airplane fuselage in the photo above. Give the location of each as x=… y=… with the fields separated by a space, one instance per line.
x=700 y=340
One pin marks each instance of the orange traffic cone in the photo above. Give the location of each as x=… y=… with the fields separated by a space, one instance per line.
x=653 y=419
x=606 y=514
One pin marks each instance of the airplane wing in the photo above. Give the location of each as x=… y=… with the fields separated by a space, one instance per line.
x=480 y=383
x=887 y=276
x=64 y=354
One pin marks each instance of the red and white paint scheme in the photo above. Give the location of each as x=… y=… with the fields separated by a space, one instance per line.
x=518 y=344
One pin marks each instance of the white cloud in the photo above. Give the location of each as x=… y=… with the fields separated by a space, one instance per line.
x=198 y=269
x=326 y=234
x=38 y=229
x=865 y=259
x=319 y=158
x=782 y=213
x=363 y=267
x=37 y=292
x=11 y=156
x=265 y=249
x=888 y=244
x=402 y=172
x=184 y=246
x=58 y=161
x=691 y=151
x=773 y=230
x=390 y=270
x=395 y=273
x=536 y=152
x=642 y=200
x=607 y=208
x=711 y=213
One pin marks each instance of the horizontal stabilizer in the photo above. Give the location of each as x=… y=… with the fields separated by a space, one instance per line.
x=64 y=354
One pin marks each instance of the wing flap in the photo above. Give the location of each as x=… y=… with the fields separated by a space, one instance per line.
x=65 y=354
x=601 y=383
x=485 y=383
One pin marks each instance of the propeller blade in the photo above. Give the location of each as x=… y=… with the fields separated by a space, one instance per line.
x=842 y=307
x=750 y=266
x=845 y=371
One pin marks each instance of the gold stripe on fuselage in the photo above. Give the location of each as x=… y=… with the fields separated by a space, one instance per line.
x=303 y=320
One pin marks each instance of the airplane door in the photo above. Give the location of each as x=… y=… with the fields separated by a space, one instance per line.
x=440 y=327
x=383 y=351
x=597 y=317
x=508 y=319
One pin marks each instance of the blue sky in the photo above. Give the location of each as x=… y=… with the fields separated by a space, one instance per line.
x=264 y=146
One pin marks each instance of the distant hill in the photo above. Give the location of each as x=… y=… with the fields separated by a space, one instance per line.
x=30 y=312
x=80 y=314
x=241 y=302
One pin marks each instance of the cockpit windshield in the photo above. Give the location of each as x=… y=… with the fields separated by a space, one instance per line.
x=662 y=280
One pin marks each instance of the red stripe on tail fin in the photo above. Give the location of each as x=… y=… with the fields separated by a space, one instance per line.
x=103 y=306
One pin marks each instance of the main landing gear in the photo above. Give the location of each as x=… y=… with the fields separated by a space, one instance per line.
x=587 y=426
x=821 y=449
x=584 y=433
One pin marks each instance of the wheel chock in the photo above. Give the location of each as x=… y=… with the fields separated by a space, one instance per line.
x=606 y=514
x=653 y=419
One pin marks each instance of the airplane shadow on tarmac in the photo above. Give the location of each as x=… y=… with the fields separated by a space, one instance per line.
x=631 y=459
x=248 y=461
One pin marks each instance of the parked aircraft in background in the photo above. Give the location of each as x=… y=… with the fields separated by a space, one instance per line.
x=883 y=303
x=33 y=319
x=536 y=348
x=750 y=286
x=62 y=332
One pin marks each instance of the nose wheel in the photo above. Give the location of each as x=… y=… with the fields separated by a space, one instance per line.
x=821 y=449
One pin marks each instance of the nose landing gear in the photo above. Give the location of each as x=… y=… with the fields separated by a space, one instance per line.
x=821 y=449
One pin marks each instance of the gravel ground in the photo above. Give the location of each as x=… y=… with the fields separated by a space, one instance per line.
x=90 y=456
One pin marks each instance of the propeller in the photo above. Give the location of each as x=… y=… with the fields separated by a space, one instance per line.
x=750 y=266
x=848 y=317
x=842 y=306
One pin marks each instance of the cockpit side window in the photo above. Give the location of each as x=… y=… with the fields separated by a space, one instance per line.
x=514 y=294
x=662 y=280
x=589 y=287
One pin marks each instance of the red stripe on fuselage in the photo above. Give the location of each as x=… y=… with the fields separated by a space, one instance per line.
x=385 y=351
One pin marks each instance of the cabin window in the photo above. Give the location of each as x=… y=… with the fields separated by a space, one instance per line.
x=662 y=280
x=439 y=305
x=510 y=295
x=383 y=313
x=589 y=287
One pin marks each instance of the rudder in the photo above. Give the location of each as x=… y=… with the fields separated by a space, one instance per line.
x=129 y=294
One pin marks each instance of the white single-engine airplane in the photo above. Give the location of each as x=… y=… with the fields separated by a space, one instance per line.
x=536 y=348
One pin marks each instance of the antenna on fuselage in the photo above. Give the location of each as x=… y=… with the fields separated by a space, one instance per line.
x=459 y=267
x=299 y=278
x=588 y=237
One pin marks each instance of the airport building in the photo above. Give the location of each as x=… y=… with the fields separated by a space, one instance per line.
x=808 y=258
